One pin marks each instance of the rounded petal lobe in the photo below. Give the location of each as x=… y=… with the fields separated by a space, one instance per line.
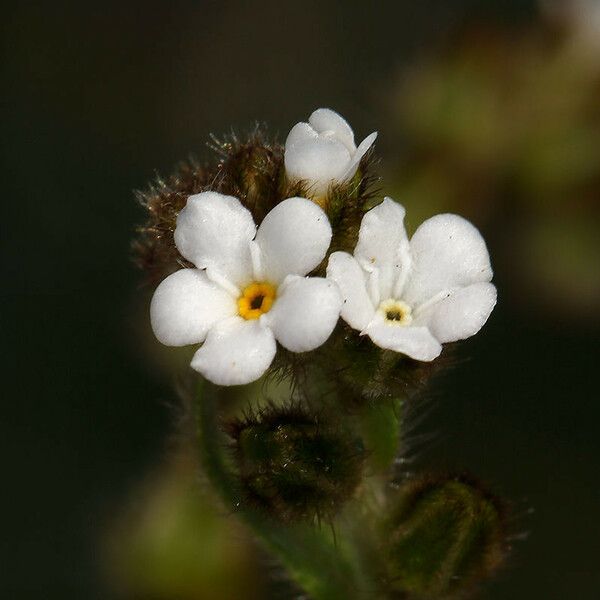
x=235 y=352
x=301 y=132
x=185 y=305
x=293 y=239
x=357 y=307
x=447 y=252
x=327 y=120
x=305 y=313
x=416 y=342
x=214 y=231
x=461 y=314
x=383 y=246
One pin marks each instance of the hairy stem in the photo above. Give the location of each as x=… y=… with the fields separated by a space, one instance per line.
x=381 y=427
x=316 y=561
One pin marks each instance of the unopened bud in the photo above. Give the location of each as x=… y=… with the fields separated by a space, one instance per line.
x=444 y=535
x=251 y=171
x=294 y=465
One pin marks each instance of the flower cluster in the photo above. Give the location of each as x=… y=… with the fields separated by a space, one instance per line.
x=249 y=288
x=278 y=261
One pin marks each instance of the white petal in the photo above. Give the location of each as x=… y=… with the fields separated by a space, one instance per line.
x=416 y=342
x=214 y=231
x=360 y=152
x=319 y=161
x=305 y=313
x=293 y=239
x=301 y=132
x=185 y=305
x=325 y=120
x=235 y=352
x=447 y=252
x=357 y=307
x=461 y=314
x=383 y=247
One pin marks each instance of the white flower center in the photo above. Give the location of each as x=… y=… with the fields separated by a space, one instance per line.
x=396 y=312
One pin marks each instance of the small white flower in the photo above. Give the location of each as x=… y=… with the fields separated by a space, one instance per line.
x=248 y=289
x=411 y=297
x=322 y=151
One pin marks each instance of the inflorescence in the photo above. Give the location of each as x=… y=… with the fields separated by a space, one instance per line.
x=277 y=263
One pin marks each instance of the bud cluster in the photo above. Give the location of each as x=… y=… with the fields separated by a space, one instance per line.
x=252 y=170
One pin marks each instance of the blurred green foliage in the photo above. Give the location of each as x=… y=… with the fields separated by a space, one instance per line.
x=504 y=126
x=173 y=544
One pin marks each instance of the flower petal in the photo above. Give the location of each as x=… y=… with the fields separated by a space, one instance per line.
x=185 y=305
x=293 y=239
x=357 y=307
x=325 y=120
x=235 y=352
x=461 y=314
x=448 y=252
x=364 y=147
x=214 y=232
x=300 y=132
x=305 y=313
x=383 y=247
x=416 y=342
x=319 y=161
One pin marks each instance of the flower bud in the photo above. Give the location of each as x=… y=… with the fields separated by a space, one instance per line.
x=154 y=248
x=322 y=152
x=251 y=172
x=444 y=535
x=248 y=169
x=295 y=465
x=251 y=169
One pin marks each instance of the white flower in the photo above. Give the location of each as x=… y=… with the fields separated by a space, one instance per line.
x=248 y=289
x=411 y=297
x=322 y=151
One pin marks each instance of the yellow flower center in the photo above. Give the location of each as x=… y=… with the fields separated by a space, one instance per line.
x=256 y=300
x=396 y=312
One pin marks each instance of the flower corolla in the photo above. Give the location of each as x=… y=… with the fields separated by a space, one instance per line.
x=322 y=152
x=413 y=296
x=248 y=288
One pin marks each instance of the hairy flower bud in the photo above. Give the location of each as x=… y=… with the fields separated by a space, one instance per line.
x=252 y=170
x=295 y=465
x=443 y=536
x=247 y=169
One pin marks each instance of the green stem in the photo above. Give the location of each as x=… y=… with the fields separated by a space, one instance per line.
x=381 y=427
x=318 y=563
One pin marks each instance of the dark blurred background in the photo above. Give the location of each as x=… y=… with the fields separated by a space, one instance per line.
x=487 y=108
